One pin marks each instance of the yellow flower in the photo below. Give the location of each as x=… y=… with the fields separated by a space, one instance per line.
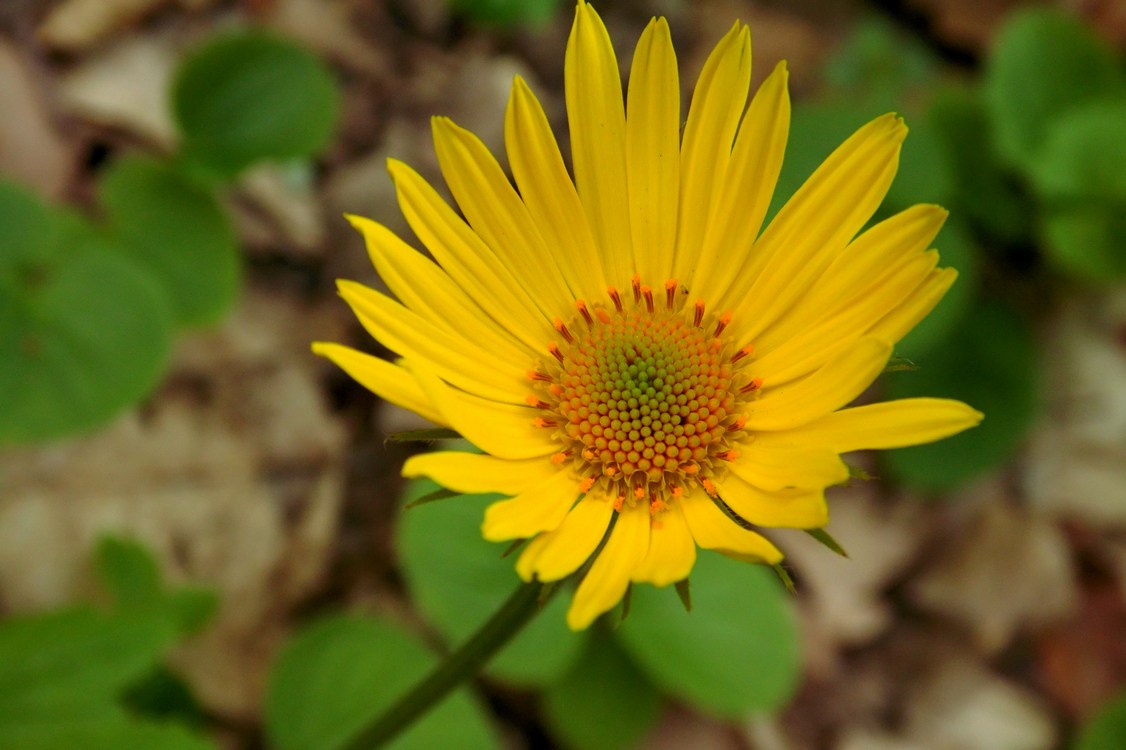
x=629 y=352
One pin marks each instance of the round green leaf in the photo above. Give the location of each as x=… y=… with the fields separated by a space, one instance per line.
x=1107 y=728
x=178 y=231
x=1081 y=180
x=250 y=96
x=84 y=332
x=989 y=361
x=507 y=12
x=339 y=673
x=958 y=251
x=737 y=650
x=981 y=188
x=604 y=702
x=1044 y=62
x=459 y=580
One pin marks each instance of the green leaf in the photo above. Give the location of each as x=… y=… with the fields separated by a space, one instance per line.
x=338 y=673
x=458 y=580
x=736 y=652
x=956 y=250
x=990 y=362
x=84 y=332
x=61 y=675
x=1106 y=730
x=983 y=190
x=129 y=571
x=1081 y=180
x=604 y=702
x=251 y=96
x=177 y=230
x=879 y=65
x=507 y=12
x=1044 y=63
x=826 y=539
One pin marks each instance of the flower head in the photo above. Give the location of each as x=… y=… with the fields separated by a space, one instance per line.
x=644 y=370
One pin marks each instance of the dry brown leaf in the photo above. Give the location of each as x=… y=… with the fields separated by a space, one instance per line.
x=126 y=87
x=844 y=603
x=32 y=151
x=76 y=25
x=230 y=475
x=1077 y=457
x=282 y=208
x=962 y=706
x=1005 y=570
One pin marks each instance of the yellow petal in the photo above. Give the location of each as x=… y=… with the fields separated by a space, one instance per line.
x=717 y=104
x=388 y=381
x=502 y=430
x=549 y=194
x=653 y=152
x=792 y=509
x=428 y=291
x=756 y=161
x=474 y=473
x=866 y=265
x=889 y=424
x=467 y=259
x=672 y=552
x=609 y=576
x=712 y=529
x=541 y=507
x=597 y=117
x=815 y=225
x=896 y=324
x=570 y=545
x=497 y=214
x=826 y=390
x=824 y=340
x=453 y=357
x=772 y=468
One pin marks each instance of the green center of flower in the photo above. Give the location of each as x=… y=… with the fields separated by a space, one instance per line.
x=644 y=398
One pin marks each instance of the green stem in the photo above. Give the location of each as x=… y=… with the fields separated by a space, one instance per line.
x=462 y=665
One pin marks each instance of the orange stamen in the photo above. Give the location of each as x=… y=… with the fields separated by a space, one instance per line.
x=709 y=487
x=754 y=385
x=584 y=312
x=558 y=458
x=554 y=349
x=729 y=455
x=602 y=315
x=699 y=316
x=619 y=501
x=537 y=375
x=635 y=282
x=670 y=293
x=746 y=351
x=586 y=484
x=541 y=422
x=615 y=298
x=536 y=402
x=647 y=293
x=738 y=424
x=563 y=331
x=722 y=323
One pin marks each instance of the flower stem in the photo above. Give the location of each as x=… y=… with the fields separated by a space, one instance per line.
x=461 y=665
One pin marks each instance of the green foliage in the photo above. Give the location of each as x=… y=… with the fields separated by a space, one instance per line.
x=177 y=231
x=339 y=672
x=63 y=674
x=1044 y=63
x=458 y=579
x=86 y=313
x=84 y=332
x=735 y=653
x=1106 y=730
x=604 y=702
x=251 y=96
x=1081 y=181
x=990 y=361
x=505 y=13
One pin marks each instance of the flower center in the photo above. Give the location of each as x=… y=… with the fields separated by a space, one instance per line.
x=645 y=399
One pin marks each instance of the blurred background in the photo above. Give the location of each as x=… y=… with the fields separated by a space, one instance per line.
x=202 y=540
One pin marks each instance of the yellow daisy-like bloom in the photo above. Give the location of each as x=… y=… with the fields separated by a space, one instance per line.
x=631 y=355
